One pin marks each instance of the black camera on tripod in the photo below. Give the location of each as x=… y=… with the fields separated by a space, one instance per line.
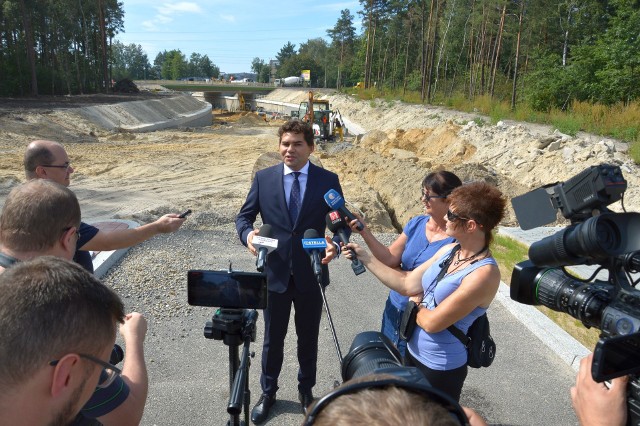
x=596 y=236
x=237 y=295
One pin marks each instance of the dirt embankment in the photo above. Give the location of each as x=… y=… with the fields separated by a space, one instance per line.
x=208 y=169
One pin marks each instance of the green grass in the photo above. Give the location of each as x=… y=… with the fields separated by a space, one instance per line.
x=507 y=253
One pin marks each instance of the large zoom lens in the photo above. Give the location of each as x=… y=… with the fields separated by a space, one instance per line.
x=369 y=351
x=557 y=291
x=597 y=238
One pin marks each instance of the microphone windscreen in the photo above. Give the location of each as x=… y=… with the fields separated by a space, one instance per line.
x=334 y=221
x=266 y=231
x=310 y=233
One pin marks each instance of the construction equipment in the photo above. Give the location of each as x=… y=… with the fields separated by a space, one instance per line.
x=292 y=81
x=318 y=113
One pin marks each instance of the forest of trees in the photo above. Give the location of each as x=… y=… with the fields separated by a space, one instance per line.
x=547 y=53
x=70 y=47
x=56 y=46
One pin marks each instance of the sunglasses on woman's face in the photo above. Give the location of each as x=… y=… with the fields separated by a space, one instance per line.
x=426 y=197
x=451 y=216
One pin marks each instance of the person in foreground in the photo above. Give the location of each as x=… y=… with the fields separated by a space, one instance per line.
x=597 y=404
x=57 y=328
x=464 y=292
x=383 y=400
x=39 y=218
x=421 y=238
x=46 y=159
x=289 y=197
x=42 y=218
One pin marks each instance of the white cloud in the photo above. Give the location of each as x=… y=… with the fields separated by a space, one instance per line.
x=166 y=13
x=161 y=19
x=149 y=25
x=228 y=18
x=169 y=8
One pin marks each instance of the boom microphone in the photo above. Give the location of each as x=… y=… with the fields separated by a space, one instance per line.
x=337 y=225
x=265 y=245
x=313 y=244
x=336 y=202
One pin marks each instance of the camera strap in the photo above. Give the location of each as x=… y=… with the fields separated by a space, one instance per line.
x=444 y=266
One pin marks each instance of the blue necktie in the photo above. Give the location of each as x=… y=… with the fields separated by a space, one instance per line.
x=294 y=198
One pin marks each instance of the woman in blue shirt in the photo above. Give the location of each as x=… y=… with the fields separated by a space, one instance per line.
x=421 y=238
x=464 y=293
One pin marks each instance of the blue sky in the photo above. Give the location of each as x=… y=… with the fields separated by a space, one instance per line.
x=230 y=32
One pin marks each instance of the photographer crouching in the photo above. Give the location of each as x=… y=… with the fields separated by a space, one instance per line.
x=458 y=283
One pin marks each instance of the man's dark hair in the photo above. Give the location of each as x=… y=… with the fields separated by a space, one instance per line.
x=51 y=307
x=36 y=214
x=297 y=126
x=36 y=155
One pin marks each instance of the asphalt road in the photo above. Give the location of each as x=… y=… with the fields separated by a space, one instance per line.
x=528 y=384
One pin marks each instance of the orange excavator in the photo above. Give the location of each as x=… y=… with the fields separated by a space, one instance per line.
x=318 y=113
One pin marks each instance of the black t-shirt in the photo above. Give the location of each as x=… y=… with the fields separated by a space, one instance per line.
x=83 y=257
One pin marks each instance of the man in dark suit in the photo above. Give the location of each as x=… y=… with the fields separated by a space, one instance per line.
x=290 y=198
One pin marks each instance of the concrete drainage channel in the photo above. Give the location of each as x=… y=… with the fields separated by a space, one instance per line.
x=150 y=115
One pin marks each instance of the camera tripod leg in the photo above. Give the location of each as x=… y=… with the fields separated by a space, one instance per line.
x=333 y=329
x=234 y=362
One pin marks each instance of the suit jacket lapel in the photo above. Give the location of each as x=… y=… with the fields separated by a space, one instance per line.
x=278 y=183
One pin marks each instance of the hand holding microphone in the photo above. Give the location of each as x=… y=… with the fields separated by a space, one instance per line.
x=337 y=225
x=336 y=202
x=264 y=244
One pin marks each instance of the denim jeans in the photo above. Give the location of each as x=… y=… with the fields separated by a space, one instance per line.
x=391 y=326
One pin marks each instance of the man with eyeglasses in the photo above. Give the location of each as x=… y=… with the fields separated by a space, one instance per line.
x=57 y=328
x=41 y=218
x=46 y=159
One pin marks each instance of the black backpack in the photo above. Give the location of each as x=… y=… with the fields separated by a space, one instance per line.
x=481 y=349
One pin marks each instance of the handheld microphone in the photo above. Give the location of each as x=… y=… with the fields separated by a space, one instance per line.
x=313 y=244
x=337 y=225
x=335 y=201
x=265 y=245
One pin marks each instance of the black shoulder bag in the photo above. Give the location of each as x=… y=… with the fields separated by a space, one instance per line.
x=481 y=349
x=408 y=322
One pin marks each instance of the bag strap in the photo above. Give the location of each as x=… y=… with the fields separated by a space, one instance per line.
x=466 y=340
x=452 y=328
x=447 y=262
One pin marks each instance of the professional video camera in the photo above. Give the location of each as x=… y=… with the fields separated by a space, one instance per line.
x=238 y=295
x=373 y=353
x=596 y=236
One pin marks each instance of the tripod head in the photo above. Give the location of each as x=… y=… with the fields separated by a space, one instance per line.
x=232 y=326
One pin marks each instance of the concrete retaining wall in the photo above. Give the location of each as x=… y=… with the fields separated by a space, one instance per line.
x=150 y=115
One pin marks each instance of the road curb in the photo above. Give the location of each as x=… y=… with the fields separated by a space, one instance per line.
x=555 y=338
x=104 y=260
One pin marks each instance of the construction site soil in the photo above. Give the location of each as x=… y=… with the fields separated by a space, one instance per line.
x=141 y=175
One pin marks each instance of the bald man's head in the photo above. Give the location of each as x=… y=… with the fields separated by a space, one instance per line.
x=46 y=159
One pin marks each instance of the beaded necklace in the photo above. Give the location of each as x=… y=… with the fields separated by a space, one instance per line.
x=466 y=259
